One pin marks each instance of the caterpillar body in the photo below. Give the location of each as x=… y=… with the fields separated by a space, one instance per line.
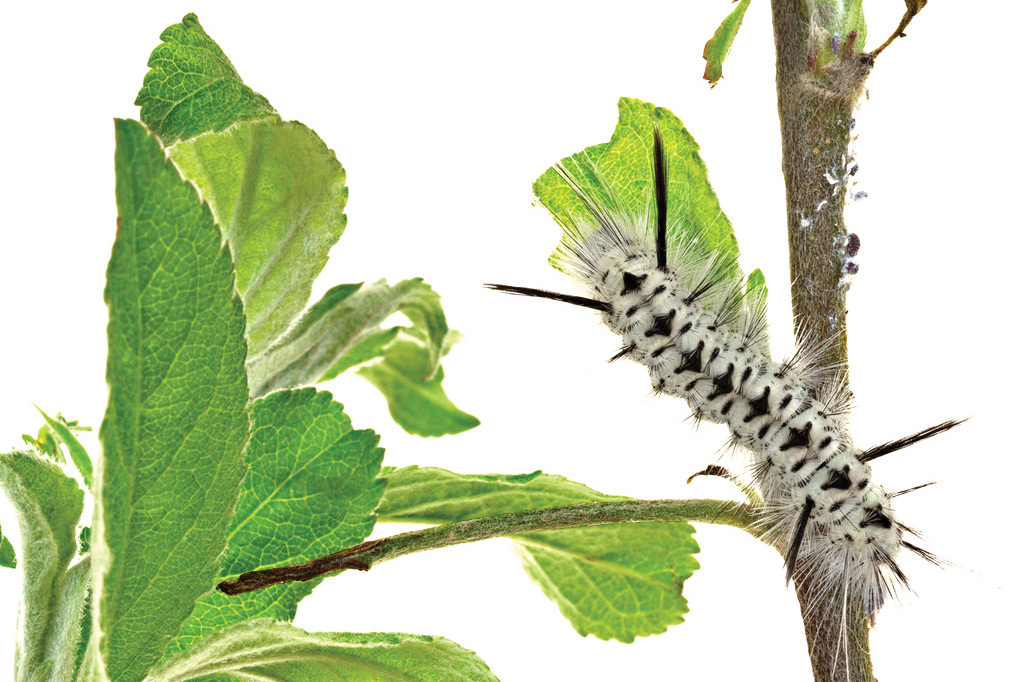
x=703 y=337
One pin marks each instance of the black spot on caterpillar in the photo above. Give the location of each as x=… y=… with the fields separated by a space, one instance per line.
x=680 y=313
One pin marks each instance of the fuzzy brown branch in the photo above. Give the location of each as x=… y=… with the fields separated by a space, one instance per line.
x=816 y=104
x=367 y=555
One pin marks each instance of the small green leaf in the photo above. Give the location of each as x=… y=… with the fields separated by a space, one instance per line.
x=416 y=402
x=854 y=20
x=311 y=490
x=617 y=176
x=717 y=49
x=72 y=624
x=176 y=420
x=84 y=536
x=614 y=582
x=192 y=87
x=278 y=652
x=48 y=504
x=278 y=194
x=63 y=435
x=8 y=559
x=343 y=328
x=431 y=495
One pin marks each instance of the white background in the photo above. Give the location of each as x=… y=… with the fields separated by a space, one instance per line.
x=443 y=114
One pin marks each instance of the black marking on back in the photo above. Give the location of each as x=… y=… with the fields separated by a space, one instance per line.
x=662 y=324
x=798 y=537
x=906 y=441
x=722 y=383
x=691 y=361
x=798 y=438
x=875 y=517
x=553 y=296
x=631 y=282
x=838 y=479
x=758 y=406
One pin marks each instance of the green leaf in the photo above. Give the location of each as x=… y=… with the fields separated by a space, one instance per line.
x=8 y=559
x=192 y=87
x=176 y=420
x=416 y=402
x=63 y=435
x=48 y=504
x=343 y=328
x=617 y=176
x=717 y=49
x=310 y=491
x=854 y=20
x=84 y=540
x=72 y=624
x=614 y=582
x=278 y=193
x=431 y=495
x=277 y=652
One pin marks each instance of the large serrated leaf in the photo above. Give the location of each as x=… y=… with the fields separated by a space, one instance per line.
x=192 y=87
x=176 y=420
x=311 y=490
x=48 y=504
x=615 y=582
x=617 y=176
x=279 y=195
x=278 y=652
x=717 y=49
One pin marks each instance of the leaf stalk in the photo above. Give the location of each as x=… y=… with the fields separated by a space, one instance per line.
x=364 y=556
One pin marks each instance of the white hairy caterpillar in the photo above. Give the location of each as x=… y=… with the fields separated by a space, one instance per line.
x=702 y=337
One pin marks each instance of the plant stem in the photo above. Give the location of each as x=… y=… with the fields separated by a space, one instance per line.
x=368 y=554
x=816 y=104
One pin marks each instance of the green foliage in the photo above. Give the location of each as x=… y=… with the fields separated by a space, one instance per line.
x=614 y=582
x=343 y=329
x=277 y=652
x=48 y=504
x=432 y=495
x=59 y=432
x=717 y=49
x=617 y=175
x=279 y=195
x=416 y=402
x=311 y=489
x=8 y=558
x=193 y=88
x=66 y=646
x=176 y=420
